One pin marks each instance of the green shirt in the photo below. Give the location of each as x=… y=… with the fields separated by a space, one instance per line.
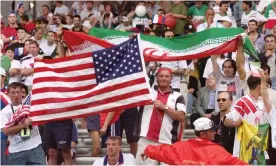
x=197 y=13
x=269 y=12
x=180 y=8
x=6 y=65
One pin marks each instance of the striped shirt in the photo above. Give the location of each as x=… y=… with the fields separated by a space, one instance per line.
x=155 y=124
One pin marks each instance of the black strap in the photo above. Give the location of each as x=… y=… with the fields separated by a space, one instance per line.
x=12 y=109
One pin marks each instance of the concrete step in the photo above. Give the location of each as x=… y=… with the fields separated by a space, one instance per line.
x=86 y=152
x=85 y=160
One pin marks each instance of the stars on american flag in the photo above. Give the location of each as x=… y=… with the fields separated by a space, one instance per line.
x=118 y=61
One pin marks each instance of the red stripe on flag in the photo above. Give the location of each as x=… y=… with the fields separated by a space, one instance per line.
x=94 y=93
x=250 y=105
x=65 y=69
x=65 y=59
x=91 y=104
x=59 y=89
x=65 y=79
x=132 y=105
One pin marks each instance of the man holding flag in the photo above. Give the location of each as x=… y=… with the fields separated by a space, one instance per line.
x=25 y=140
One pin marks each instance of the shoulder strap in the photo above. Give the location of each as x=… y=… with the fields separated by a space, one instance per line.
x=12 y=109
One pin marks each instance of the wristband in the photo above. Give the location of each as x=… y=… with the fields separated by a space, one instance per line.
x=12 y=38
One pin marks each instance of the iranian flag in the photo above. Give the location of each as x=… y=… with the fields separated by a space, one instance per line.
x=214 y=41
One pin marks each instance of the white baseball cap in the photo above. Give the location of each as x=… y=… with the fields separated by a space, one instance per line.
x=2 y=72
x=203 y=123
x=226 y=18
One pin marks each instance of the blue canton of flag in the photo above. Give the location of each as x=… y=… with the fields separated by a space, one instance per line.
x=118 y=61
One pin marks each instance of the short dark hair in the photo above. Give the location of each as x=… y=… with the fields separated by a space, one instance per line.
x=256 y=22
x=34 y=42
x=9 y=48
x=77 y=16
x=46 y=6
x=20 y=28
x=23 y=86
x=161 y=10
x=223 y=3
x=25 y=17
x=268 y=36
x=253 y=82
x=59 y=2
x=233 y=64
x=51 y=32
x=90 y=1
x=265 y=67
x=13 y=85
x=28 y=40
x=249 y=3
x=167 y=30
x=115 y=138
x=69 y=15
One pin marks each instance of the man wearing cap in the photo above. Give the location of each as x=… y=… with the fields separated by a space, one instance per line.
x=163 y=121
x=21 y=11
x=196 y=151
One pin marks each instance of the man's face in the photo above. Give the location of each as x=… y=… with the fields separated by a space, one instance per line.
x=3 y=78
x=27 y=46
x=224 y=8
x=69 y=20
x=266 y=74
x=224 y=102
x=244 y=6
x=89 y=5
x=252 y=26
x=107 y=8
x=21 y=34
x=33 y=49
x=21 y=9
x=38 y=34
x=198 y=3
x=211 y=81
x=209 y=135
x=50 y=37
x=15 y=95
x=12 y=19
x=164 y=78
x=113 y=147
x=24 y=93
x=270 y=43
x=210 y=14
x=228 y=70
x=10 y=54
x=76 y=22
x=45 y=11
x=169 y=34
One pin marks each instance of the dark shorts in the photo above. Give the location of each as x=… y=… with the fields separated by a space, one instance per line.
x=112 y=130
x=93 y=123
x=58 y=135
x=127 y=123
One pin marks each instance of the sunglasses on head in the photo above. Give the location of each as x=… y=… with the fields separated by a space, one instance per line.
x=221 y=99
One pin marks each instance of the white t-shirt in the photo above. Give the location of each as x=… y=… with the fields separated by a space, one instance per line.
x=220 y=17
x=272 y=121
x=175 y=83
x=250 y=110
x=62 y=10
x=28 y=63
x=40 y=41
x=128 y=160
x=17 y=144
x=203 y=26
x=15 y=64
x=48 y=50
x=253 y=15
x=68 y=26
x=76 y=8
x=85 y=13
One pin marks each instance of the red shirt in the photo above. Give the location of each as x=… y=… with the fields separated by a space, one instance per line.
x=8 y=32
x=29 y=27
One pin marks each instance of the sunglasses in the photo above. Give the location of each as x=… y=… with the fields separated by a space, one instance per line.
x=222 y=99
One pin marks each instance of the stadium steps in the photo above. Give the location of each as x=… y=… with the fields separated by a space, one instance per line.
x=84 y=146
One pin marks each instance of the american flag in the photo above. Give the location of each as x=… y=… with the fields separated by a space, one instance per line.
x=107 y=80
